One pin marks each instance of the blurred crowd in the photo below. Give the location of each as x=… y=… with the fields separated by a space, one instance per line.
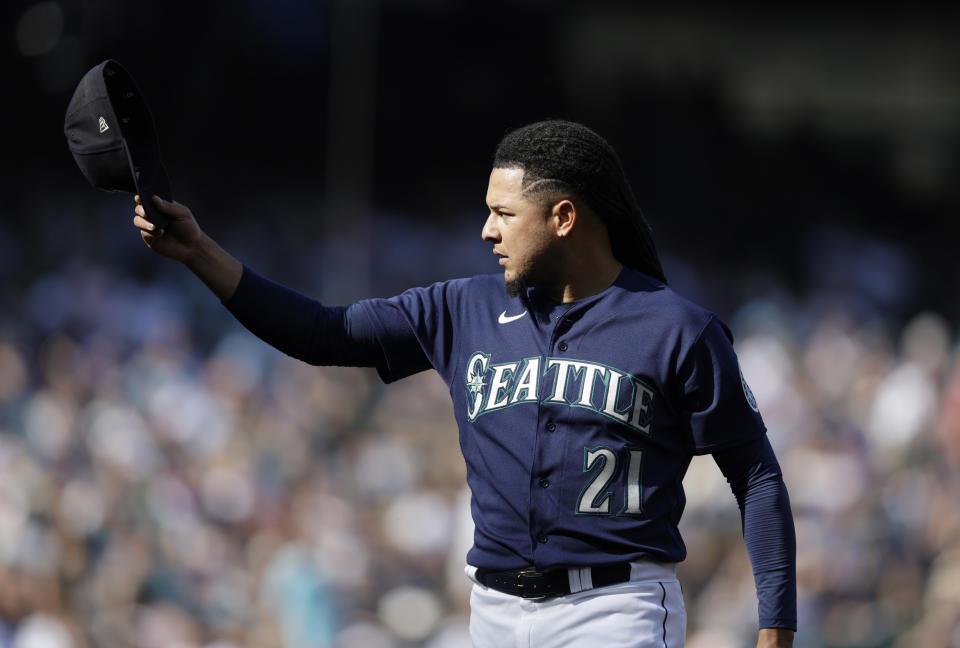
x=169 y=481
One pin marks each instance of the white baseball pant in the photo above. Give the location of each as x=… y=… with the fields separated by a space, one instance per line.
x=645 y=612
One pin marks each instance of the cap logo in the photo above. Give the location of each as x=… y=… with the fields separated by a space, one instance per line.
x=103 y=125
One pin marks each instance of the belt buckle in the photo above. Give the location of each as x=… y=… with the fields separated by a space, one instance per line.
x=528 y=580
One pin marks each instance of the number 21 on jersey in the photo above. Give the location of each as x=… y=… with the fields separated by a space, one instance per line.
x=603 y=464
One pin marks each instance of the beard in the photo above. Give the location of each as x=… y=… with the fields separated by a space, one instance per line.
x=517 y=286
x=541 y=273
x=542 y=269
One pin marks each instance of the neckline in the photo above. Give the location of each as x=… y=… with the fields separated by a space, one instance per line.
x=545 y=306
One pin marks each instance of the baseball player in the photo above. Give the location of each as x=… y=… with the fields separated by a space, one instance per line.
x=582 y=387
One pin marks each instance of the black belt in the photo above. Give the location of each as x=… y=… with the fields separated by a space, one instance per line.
x=532 y=584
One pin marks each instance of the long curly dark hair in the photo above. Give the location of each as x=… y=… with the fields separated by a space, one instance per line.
x=566 y=159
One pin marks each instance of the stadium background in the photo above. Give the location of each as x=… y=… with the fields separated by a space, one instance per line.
x=167 y=480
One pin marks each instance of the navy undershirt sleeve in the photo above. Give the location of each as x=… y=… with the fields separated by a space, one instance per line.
x=755 y=478
x=302 y=327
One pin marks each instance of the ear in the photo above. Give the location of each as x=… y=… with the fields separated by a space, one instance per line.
x=564 y=215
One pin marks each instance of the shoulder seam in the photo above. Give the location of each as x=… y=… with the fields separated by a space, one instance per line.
x=697 y=339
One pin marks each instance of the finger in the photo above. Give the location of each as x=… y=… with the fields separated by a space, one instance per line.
x=174 y=209
x=152 y=236
x=140 y=211
x=141 y=223
x=136 y=199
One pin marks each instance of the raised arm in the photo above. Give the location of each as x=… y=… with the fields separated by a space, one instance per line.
x=293 y=323
x=183 y=240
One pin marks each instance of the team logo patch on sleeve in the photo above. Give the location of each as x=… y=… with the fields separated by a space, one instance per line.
x=751 y=400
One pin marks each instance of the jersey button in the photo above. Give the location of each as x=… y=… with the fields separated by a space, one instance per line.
x=551 y=426
x=542 y=538
x=562 y=346
x=544 y=482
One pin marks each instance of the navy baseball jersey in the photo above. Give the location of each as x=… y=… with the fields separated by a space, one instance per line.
x=577 y=420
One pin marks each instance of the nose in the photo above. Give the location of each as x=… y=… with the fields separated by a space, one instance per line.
x=490 y=232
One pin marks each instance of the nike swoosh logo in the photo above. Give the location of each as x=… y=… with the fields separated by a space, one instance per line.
x=503 y=319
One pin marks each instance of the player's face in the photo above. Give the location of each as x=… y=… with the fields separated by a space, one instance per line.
x=520 y=230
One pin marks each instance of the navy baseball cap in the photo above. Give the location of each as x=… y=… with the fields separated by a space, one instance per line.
x=112 y=137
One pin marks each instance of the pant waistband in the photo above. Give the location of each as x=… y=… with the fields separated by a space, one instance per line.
x=531 y=583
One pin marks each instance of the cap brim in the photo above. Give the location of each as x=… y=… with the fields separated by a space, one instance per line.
x=150 y=179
